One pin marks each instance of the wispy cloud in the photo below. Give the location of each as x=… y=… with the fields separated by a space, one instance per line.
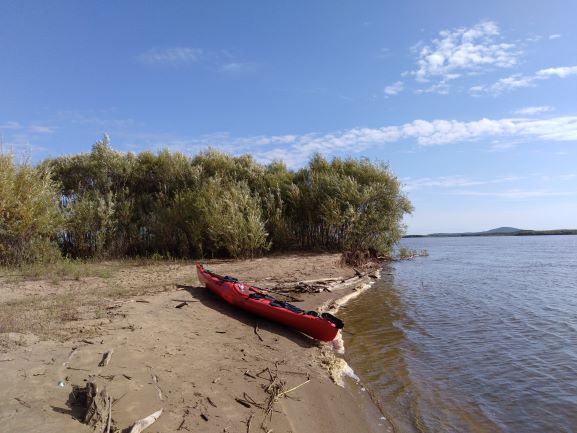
x=411 y=184
x=560 y=72
x=171 y=56
x=10 y=125
x=41 y=129
x=394 y=88
x=554 y=36
x=384 y=53
x=502 y=146
x=514 y=193
x=463 y=51
x=535 y=110
x=442 y=88
x=296 y=149
x=238 y=67
x=517 y=81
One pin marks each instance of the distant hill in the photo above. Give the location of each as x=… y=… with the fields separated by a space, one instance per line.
x=500 y=231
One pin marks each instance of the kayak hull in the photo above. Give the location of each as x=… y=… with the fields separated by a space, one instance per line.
x=256 y=301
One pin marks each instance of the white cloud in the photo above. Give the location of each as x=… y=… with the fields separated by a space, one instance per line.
x=560 y=72
x=394 y=88
x=442 y=88
x=171 y=56
x=438 y=132
x=41 y=129
x=514 y=193
x=464 y=50
x=451 y=182
x=555 y=36
x=384 y=53
x=238 y=67
x=501 y=147
x=10 y=125
x=535 y=110
x=296 y=149
x=517 y=81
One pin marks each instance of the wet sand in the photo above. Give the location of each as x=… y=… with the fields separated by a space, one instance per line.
x=195 y=362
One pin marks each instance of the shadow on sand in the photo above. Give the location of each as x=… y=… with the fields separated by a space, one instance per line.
x=209 y=299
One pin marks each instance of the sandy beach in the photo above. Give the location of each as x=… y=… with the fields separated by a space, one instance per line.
x=206 y=364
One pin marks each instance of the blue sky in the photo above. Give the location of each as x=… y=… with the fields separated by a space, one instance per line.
x=473 y=104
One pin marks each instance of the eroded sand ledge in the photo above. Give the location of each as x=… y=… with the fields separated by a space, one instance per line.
x=195 y=362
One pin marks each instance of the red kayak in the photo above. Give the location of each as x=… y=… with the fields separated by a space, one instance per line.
x=323 y=327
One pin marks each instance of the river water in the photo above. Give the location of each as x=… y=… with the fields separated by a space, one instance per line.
x=480 y=336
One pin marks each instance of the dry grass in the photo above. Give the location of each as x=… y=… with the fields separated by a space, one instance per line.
x=38 y=315
x=75 y=269
x=53 y=315
x=58 y=271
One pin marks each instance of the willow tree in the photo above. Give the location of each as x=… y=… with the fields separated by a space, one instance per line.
x=215 y=204
x=29 y=214
x=347 y=205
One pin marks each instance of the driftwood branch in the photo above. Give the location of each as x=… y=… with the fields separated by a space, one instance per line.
x=316 y=286
x=144 y=423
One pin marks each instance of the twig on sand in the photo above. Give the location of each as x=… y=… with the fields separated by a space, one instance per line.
x=292 y=389
x=211 y=402
x=182 y=304
x=181 y=424
x=251 y=400
x=243 y=402
x=256 y=332
x=144 y=423
x=186 y=412
x=116 y=400
x=109 y=422
x=106 y=358
x=154 y=378
x=67 y=362
x=78 y=369
x=22 y=402
x=248 y=421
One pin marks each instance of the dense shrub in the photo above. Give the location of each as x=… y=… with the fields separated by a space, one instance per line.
x=29 y=214
x=214 y=204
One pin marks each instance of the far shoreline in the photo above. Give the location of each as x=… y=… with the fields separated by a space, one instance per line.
x=562 y=232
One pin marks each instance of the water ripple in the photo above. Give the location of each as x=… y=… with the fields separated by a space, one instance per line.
x=481 y=336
